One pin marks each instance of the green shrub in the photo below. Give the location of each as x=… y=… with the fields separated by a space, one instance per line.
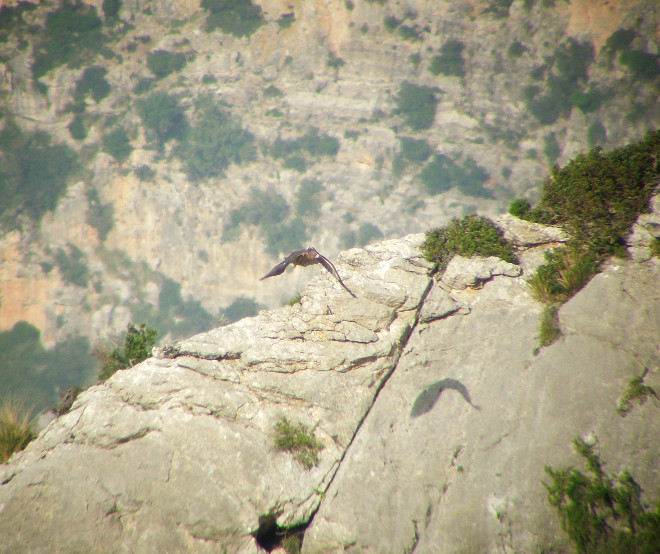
x=415 y=150
x=237 y=17
x=586 y=102
x=307 y=198
x=472 y=235
x=499 y=8
x=565 y=272
x=417 y=105
x=549 y=330
x=117 y=144
x=162 y=116
x=213 y=142
x=410 y=32
x=286 y=20
x=598 y=196
x=92 y=80
x=136 y=347
x=551 y=147
x=519 y=208
x=642 y=64
x=11 y=18
x=15 y=428
x=272 y=92
x=111 y=9
x=442 y=173
x=77 y=128
x=654 y=246
x=73 y=35
x=335 y=61
x=299 y=440
x=99 y=215
x=241 y=307
x=391 y=22
x=516 y=49
x=602 y=513
x=297 y=163
x=143 y=85
x=294 y=300
x=367 y=233
x=450 y=61
x=621 y=39
x=596 y=134
x=33 y=173
x=636 y=392
x=162 y=63
x=72 y=265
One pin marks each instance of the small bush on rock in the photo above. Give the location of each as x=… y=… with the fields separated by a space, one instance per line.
x=137 y=345
x=299 y=440
x=471 y=236
x=15 y=429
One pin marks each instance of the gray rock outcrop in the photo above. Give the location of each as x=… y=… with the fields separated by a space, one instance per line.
x=435 y=416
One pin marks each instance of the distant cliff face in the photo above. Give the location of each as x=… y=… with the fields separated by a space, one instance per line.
x=434 y=418
x=428 y=109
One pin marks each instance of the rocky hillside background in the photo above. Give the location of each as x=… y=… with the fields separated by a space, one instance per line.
x=158 y=156
x=417 y=417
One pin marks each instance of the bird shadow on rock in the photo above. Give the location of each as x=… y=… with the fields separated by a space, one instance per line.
x=430 y=395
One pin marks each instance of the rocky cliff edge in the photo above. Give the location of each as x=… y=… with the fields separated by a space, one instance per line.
x=435 y=416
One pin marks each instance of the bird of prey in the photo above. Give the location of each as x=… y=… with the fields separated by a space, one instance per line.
x=308 y=256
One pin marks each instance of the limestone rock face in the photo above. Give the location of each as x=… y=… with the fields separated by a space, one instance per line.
x=435 y=416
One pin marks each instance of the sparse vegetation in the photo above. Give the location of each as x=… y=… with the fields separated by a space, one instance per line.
x=294 y=300
x=417 y=105
x=15 y=428
x=237 y=17
x=549 y=328
x=213 y=142
x=72 y=266
x=136 y=347
x=654 y=246
x=472 y=235
x=602 y=513
x=73 y=35
x=92 y=81
x=117 y=144
x=636 y=393
x=162 y=63
x=299 y=440
x=442 y=173
x=450 y=61
x=162 y=116
x=33 y=174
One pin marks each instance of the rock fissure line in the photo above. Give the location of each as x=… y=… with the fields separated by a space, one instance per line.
x=401 y=347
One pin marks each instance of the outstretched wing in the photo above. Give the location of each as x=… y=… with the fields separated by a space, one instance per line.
x=333 y=271
x=279 y=268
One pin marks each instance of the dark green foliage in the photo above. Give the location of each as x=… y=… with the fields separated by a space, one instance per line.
x=335 y=61
x=642 y=64
x=11 y=18
x=77 y=127
x=111 y=9
x=33 y=173
x=655 y=247
x=73 y=36
x=368 y=233
x=499 y=8
x=297 y=163
x=565 y=75
x=415 y=59
x=72 y=265
x=16 y=429
x=596 y=134
x=417 y=105
x=136 y=347
x=520 y=208
x=391 y=22
x=516 y=49
x=28 y=370
x=286 y=20
x=313 y=143
x=237 y=17
x=307 y=198
x=272 y=92
x=213 y=142
x=551 y=147
x=143 y=85
x=241 y=307
x=145 y=173
x=442 y=173
x=601 y=513
x=299 y=440
x=162 y=116
x=471 y=236
x=415 y=150
x=599 y=195
x=621 y=39
x=586 y=102
x=92 y=80
x=636 y=392
x=549 y=330
x=99 y=215
x=117 y=144
x=161 y=63
x=565 y=272
x=270 y=211
x=450 y=60
x=410 y=32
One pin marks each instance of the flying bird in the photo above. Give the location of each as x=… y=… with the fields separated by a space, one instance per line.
x=303 y=258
